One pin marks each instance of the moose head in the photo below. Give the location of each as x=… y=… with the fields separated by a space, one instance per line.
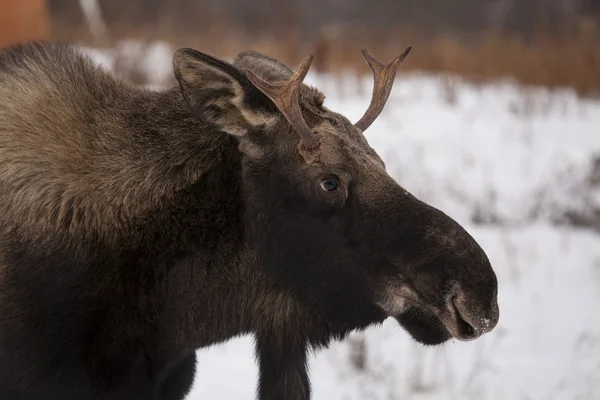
x=323 y=216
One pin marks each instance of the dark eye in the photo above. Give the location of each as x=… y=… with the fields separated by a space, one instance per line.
x=330 y=185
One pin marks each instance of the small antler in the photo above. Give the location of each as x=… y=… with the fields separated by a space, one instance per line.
x=384 y=76
x=285 y=97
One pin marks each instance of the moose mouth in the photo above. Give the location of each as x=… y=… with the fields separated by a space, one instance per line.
x=431 y=325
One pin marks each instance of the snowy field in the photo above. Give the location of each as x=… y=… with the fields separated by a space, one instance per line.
x=514 y=165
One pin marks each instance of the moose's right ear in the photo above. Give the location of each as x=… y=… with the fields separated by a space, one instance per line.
x=218 y=93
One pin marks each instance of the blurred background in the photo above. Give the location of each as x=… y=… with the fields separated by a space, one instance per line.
x=494 y=118
x=547 y=42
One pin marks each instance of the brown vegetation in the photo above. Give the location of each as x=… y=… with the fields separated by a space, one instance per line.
x=539 y=44
x=569 y=60
x=547 y=59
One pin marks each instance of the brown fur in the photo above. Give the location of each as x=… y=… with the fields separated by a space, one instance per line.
x=137 y=226
x=83 y=161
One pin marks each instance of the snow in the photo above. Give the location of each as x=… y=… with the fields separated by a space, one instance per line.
x=516 y=160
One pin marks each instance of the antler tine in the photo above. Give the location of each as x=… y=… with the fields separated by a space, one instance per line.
x=285 y=97
x=384 y=76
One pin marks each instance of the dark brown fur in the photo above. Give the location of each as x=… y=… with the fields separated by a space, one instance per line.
x=137 y=226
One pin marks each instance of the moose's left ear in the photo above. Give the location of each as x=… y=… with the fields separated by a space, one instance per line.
x=218 y=92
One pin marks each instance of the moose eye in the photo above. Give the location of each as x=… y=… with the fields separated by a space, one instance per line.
x=330 y=185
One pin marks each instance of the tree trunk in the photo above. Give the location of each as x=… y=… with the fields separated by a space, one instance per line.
x=23 y=20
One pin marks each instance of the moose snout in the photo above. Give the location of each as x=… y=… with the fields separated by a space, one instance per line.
x=472 y=315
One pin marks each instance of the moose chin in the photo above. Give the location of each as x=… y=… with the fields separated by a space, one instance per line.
x=137 y=226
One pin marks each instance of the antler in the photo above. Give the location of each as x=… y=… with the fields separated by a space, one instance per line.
x=384 y=80
x=285 y=97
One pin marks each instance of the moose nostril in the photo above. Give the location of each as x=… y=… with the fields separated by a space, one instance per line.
x=466 y=329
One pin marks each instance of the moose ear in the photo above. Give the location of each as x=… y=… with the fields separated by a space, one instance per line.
x=218 y=92
x=264 y=66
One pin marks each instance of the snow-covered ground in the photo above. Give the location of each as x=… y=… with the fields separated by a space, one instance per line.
x=509 y=163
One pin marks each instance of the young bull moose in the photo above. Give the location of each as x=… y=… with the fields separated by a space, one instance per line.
x=137 y=226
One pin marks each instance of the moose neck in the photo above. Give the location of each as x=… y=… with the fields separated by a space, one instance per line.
x=193 y=239
x=218 y=291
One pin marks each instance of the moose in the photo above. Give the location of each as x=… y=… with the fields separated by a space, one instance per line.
x=139 y=225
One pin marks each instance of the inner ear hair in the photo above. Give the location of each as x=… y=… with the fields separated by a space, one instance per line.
x=217 y=92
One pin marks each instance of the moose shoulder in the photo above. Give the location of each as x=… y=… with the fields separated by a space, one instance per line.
x=137 y=226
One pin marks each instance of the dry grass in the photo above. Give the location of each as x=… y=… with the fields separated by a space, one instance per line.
x=551 y=60
x=569 y=60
